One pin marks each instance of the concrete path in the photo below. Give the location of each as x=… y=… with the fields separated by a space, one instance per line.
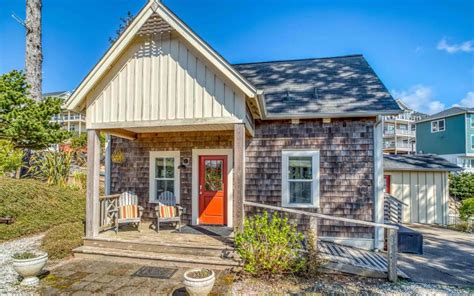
x=448 y=257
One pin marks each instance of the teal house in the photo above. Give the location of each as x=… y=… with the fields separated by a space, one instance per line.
x=449 y=134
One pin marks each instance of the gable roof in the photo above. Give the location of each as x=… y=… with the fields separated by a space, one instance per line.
x=448 y=112
x=417 y=162
x=325 y=87
x=151 y=11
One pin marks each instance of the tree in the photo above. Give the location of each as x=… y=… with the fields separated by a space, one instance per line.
x=34 y=50
x=461 y=186
x=124 y=22
x=24 y=121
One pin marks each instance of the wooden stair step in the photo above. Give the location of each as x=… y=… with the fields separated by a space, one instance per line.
x=160 y=247
x=174 y=259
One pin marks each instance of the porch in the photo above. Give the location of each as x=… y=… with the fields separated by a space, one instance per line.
x=192 y=246
x=158 y=163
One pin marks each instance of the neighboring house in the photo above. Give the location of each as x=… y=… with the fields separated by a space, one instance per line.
x=69 y=120
x=301 y=133
x=399 y=131
x=449 y=134
x=421 y=182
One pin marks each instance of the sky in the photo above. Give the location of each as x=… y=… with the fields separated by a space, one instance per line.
x=423 y=51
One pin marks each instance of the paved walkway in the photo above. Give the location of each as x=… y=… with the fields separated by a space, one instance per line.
x=448 y=257
x=89 y=277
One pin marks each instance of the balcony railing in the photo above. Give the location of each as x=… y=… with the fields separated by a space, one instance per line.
x=399 y=132
x=403 y=116
x=398 y=145
x=69 y=117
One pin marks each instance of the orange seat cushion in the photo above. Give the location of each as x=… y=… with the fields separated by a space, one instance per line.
x=167 y=211
x=128 y=212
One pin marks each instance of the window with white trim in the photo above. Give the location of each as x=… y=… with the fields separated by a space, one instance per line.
x=472 y=141
x=472 y=121
x=164 y=175
x=438 y=126
x=300 y=178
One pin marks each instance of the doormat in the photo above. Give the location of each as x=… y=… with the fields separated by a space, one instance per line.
x=155 y=272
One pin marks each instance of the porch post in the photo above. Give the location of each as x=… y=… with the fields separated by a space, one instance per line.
x=92 y=198
x=239 y=175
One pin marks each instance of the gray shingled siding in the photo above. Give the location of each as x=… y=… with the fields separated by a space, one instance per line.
x=346 y=154
x=346 y=168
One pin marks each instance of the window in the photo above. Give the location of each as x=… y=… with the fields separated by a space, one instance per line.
x=472 y=141
x=300 y=178
x=437 y=126
x=472 y=121
x=164 y=175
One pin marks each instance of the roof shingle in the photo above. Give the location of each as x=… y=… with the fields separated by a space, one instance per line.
x=320 y=86
x=417 y=162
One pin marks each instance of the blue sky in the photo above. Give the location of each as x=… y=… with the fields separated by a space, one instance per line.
x=422 y=50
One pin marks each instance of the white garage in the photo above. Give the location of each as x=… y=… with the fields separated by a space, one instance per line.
x=420 y=181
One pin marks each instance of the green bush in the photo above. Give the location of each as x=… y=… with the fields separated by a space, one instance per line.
x=79 y=141
x=60 y=240
x=51 y=166
x=11 y=159
x=270 y=246
x=467 y=209
x=37 y=207
x=461 y=186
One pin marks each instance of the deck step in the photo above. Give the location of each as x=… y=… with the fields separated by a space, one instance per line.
x=181 y=260
x=223 y=251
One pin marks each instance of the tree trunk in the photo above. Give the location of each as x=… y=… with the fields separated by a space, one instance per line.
x=34 y=50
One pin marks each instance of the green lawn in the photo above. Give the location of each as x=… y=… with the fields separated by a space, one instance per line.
x=37 y=207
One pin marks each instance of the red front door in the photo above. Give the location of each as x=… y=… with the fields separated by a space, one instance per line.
x=212 y=189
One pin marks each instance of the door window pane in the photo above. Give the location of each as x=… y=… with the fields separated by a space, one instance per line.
x=300 y=192
x=213 y=175
x=300 y=168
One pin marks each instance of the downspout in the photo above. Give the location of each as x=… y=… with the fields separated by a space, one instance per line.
x=378 y=183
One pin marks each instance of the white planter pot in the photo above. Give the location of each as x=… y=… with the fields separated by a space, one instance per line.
x=30 y=268
x=200 y=286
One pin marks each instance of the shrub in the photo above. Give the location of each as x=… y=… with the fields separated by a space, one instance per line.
x=79 y=141
x=464 y=226
x=52 y=167
x=80 y=179
x=269 y=246
x=461 y=186
x=11 y=159
x=467 y=209
x=37 y=207
x=60 y=240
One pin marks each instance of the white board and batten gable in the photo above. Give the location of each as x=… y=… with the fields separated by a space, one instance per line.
x=159 y=76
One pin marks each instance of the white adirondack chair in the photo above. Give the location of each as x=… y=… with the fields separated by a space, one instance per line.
x=126 y=213
x=168 y=199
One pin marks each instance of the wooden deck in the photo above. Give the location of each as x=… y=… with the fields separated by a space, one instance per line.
x=194 y=246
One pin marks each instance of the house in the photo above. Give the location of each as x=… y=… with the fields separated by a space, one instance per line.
x=69 y=120
x=399 y=131
x=301 y=133
x=420 y=181
x=449 y=134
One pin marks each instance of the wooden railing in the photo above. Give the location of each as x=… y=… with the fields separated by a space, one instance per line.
x=108 y=206
x=392 y=232
x=393 y=209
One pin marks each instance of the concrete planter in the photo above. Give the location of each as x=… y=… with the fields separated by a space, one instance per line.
x=30 y=268
x=198 y=286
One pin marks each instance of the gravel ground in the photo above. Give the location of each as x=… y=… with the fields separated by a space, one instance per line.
x=334 y=284
x=9 y=282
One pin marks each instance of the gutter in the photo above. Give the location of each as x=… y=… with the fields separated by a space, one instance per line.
x=330 y=115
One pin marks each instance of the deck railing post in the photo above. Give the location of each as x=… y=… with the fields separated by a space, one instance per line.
x=313 y=227
x=392 y=253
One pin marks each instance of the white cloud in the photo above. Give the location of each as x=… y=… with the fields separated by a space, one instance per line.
x=468 y=100
x=466 y=46
x=419 y=98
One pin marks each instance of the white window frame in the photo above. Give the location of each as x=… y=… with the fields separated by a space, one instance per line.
x=438 y=130
x=472 y=141
x=285 y=155
x=164 y=154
